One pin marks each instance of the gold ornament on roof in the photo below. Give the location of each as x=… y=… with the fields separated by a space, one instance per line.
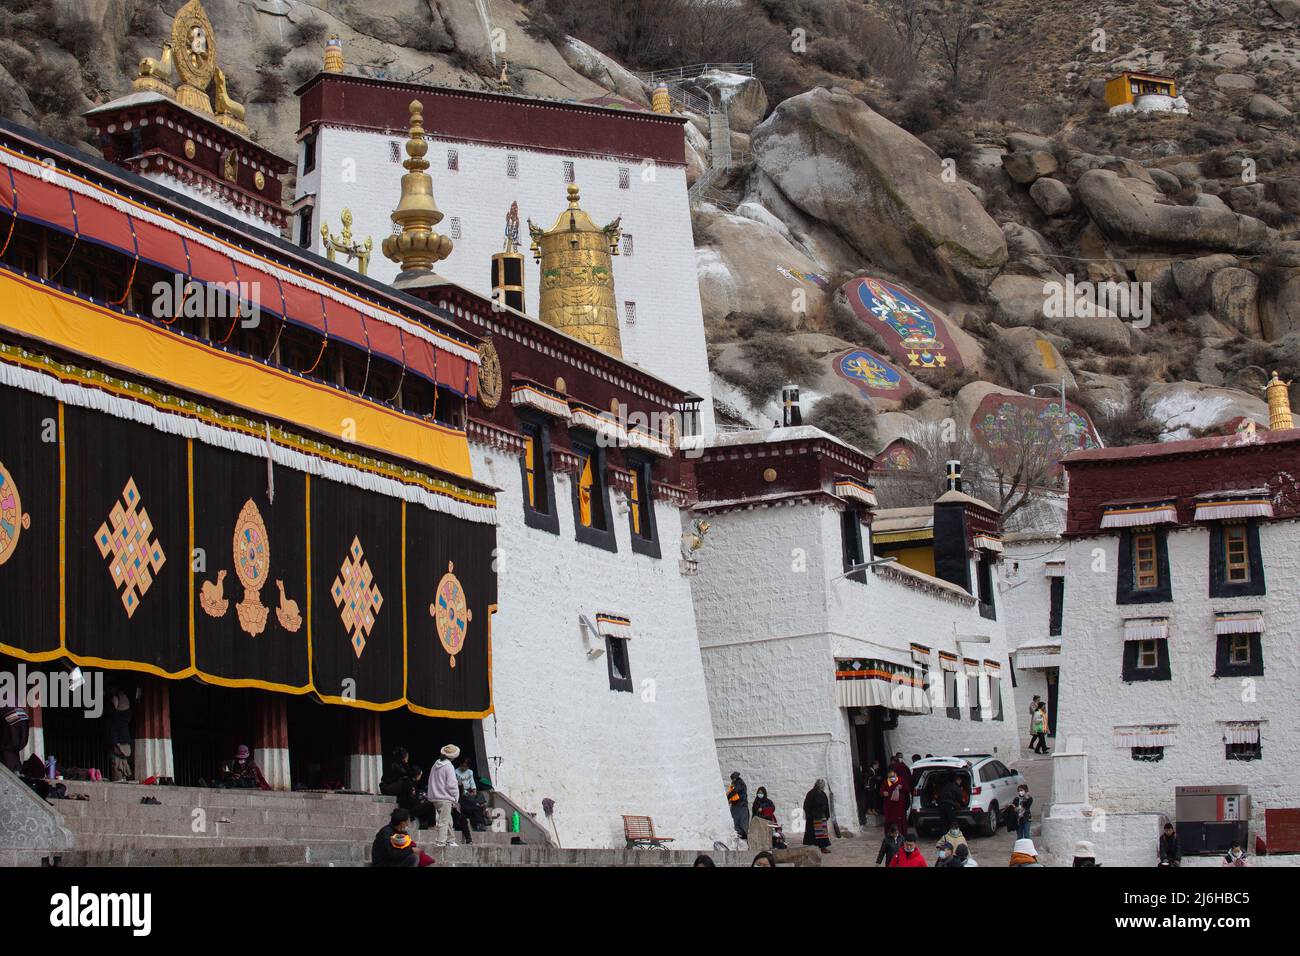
x=345 y=244
x=503 y=81
x=661 y=102
x=1279 y=404
x=577 y=289
x=416 y=247
x=188 y=67
x=334 y=55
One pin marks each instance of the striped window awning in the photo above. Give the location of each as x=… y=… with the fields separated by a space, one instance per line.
x=1145 y=735
x=645 y=441
x=947 y=661
x=1239 y=622
x=1038 y=657
x=584 y=416
x=993 y=667
x=1126 y=515
x=532 y=395
x=1241 y=731
x=614 y=625
x=972 y=666
x=988 y=542
x=1247 y=503
x=854 y=490
x=864 y=682
x=920 y=654
x=1146 y=629
x=1054 y=569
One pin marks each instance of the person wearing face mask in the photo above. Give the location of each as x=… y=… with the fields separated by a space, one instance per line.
x=909 y=855
x=1021 y=805
x=764 y=811
x=943 y=854
x=1236 y=857
x=895 y=797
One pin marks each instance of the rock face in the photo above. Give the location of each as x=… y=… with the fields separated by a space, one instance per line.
x=1185 y=407
x=1052 y=196
x=1027 y=166
x=1127 y=209
x=743 y=97
x=1033 y=357
x=881 y=189
x=1266 y=108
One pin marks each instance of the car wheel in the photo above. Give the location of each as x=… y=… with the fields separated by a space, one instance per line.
x=991 y=820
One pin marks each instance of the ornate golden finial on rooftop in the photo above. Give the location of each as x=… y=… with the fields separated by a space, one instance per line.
x=503 y=81
x=1279 y=403
x=577 y=291
x=660 y=102
x=417 y=247
x=334 y=55
x=191 y=55
x=345 y=244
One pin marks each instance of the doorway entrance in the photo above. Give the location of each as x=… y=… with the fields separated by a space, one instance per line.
x=866 y=743
x=1053 y=687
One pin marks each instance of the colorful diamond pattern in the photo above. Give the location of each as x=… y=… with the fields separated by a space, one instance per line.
x=357 y=596
x=125 y=542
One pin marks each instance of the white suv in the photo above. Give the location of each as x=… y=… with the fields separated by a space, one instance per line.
x=987 y=787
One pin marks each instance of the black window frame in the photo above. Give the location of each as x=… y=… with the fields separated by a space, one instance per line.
x=995 y=697
x=950 y=703
x=1147 y=754
x=306 y=217
x=1126 y=591
x=1132 y=673
x=643 y=543
x=616 y=652
x=1223 y=666
x=984 y=586
x=602 y=537
x=308 y=153
x=1055 y=606
x=853 y=547
x=1220 y=586
x=548 y=518
x=1253 y=751
x=973 y=693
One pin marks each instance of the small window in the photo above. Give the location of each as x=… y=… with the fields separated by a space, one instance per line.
x=1243 y=751
x=1148 y=655
x=394 y=151
x=851 y=534
x=512 y=166
x=1238 y=655
x=627 y=243
x=453 y=227
x=951 y=704
x=641 y=515
x=536 y=477
x=624 y=178
x=1236 y=554
x=995 y=698
x=629 y=313
x=1146 y=572
x=308 y=154
x=620 y=671
x=568 y=171
x=1056 y=604
x=984 y=582
x=591 y=498
x=304 y=227
x=973 y=696
x=1148 y=754
x=453 y=160
x=1146 y=660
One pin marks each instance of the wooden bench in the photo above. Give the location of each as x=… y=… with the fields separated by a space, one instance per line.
x=640 y=832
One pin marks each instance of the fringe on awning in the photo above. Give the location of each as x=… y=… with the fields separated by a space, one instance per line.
x=1138 y=516
x=874 y=683
x=1219 y=510
x=533 y=397
x=993 y=666
x=608 y=428
x=72 y=394
x=1241 y=732
x=921 y=654
x=614 y=625
x=988 y=542
x=947 y=662
x=637 y=438
x=1054 y=569
x=856 y=491
x=1239 y=622
x=1146 y=629
x=1145 y=735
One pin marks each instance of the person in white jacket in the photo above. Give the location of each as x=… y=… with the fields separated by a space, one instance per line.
x=444 y=792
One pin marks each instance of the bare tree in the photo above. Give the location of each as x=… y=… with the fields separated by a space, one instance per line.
x=953 y=26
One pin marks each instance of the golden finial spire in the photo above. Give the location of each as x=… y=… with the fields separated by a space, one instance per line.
x=417 y=247
x=1279 y=404
x=661 y=103
x=503 y=81
x=334 y=54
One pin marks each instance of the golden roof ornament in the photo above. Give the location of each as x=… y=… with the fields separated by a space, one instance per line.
x=345 y=244
x=416 y=247
x=503 y=81
x=334 y=55
x=660 y=102
x=577 y=288
x=191 y=55
x=1279 y=403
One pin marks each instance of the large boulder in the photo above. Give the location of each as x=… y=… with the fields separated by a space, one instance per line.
x=1266 y=108
x=1279 y=307
x=882 y=189
x=1028 y=166
x=1032 y=357
x=1183 y=408
x=1052 y=195
x=1128 y=209
x=1232 y=300
x=600 y=69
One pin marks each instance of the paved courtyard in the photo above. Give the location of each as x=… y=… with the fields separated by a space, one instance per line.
x=861 y=849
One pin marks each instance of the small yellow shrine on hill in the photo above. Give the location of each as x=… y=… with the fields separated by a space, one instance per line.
x=1125 y=89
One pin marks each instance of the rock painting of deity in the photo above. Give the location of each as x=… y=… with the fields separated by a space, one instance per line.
x=871 y=373
x=899 y=456
x=1007 y=424
x=914 y=333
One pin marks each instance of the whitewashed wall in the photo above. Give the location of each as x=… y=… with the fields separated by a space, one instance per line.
x=772 y=621
x=1095 y=699
x=559 y=729
x=354 y=170
x=1027 y=601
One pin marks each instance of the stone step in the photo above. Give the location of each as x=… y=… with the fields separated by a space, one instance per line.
x=83 y=814
x=208 y=797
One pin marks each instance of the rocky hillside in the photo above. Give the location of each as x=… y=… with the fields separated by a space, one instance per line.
x=957 y=149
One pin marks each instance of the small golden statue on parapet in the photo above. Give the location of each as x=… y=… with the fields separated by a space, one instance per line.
x=345 y=244
x=187 y=76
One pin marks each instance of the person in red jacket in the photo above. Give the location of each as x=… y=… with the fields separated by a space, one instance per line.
x=896 y=800
x=908 y=854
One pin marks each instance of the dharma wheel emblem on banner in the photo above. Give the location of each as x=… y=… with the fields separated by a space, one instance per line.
x=450 y=614
x=251 y=551
x=12 y=518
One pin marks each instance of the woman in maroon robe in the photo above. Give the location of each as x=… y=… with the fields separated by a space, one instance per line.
x=894 y=795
